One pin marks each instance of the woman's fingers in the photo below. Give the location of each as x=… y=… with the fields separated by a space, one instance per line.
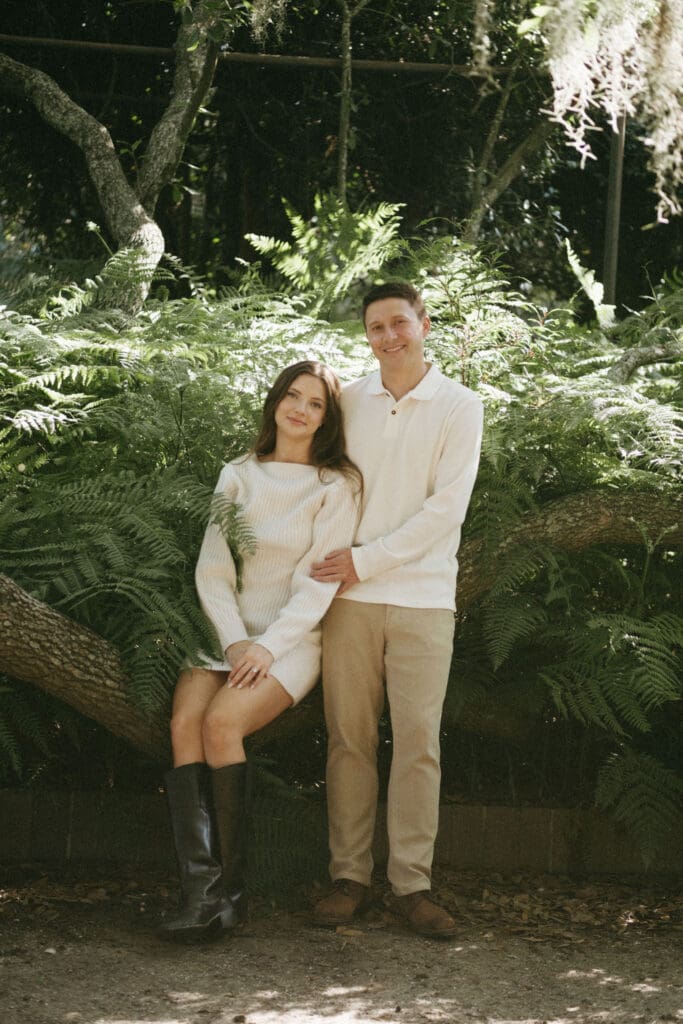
x=250 y=668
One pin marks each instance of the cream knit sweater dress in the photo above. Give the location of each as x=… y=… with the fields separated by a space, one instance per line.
x=296 y=519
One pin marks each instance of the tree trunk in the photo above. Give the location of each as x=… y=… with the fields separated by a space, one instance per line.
x=41 y=647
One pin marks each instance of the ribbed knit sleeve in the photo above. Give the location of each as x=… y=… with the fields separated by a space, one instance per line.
x=216 y=576
x=333 y=527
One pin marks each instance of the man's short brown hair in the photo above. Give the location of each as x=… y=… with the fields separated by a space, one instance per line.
x=394 y=290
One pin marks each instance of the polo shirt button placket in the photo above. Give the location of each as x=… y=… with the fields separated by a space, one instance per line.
x=391 y=428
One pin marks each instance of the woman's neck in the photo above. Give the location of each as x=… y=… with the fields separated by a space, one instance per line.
x=285 y=452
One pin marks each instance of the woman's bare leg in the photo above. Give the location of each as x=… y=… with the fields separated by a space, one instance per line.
x=195 y=690
x=235 y=714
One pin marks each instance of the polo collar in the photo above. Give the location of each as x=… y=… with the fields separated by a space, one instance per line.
x=422 y=391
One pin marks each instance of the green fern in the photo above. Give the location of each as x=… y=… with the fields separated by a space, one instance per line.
x=334 y=250
x=508 y=619
x=619 y=670
x=644 y=796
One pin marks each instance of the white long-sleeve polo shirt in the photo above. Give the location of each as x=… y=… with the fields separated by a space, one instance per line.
x=419 y=458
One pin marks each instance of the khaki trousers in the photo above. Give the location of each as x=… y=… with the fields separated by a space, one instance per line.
x=365 y=647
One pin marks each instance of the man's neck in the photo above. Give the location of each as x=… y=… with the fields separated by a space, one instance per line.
x=399 y=384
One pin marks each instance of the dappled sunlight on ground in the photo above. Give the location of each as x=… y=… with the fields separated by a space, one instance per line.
x=530 y=951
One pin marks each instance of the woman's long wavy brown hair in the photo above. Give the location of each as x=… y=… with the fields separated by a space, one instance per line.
x=328 y=448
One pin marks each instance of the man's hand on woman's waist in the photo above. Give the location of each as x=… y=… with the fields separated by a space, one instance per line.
x=337 y=567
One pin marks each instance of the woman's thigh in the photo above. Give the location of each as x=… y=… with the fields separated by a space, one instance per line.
x=195 y=690
x=249 y=710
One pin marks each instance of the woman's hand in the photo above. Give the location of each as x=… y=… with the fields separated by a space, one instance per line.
x=251 y=665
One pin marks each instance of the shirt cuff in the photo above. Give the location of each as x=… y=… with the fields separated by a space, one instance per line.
x=370 y=560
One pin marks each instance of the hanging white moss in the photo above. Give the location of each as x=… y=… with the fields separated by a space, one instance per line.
x=620 y=57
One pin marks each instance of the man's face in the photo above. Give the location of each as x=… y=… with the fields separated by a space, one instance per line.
x=396 y=333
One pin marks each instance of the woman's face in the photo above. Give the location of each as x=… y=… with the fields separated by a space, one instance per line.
x=302 y=410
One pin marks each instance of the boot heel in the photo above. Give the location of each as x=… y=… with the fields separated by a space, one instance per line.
x=239 y=903
x=229 y=918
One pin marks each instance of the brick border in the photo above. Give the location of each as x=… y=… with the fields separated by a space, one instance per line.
x=80 y=827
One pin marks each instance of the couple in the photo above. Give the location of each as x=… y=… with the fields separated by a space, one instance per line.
x=414 y=437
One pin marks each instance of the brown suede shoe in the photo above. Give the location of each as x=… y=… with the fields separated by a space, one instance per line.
x=425 y=916
x=345 y=899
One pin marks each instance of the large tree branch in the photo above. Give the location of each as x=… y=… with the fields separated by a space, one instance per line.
x=574 y=523
x=41 y=647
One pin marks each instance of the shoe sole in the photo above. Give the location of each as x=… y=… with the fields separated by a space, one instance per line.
x=336 y=922
x=450 y=934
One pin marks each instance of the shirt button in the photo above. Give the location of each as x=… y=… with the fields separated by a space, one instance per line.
x=393 y=412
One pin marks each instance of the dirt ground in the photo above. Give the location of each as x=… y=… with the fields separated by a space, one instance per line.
x=84 y=950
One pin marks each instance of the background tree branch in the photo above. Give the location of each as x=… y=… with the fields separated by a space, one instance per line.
x=513 y=166
x=195 y=66
x=129 y=210
x=644 y=355
x=124 y=214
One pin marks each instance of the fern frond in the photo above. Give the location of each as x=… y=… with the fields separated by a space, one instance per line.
x=508 y=619
x=643 y=795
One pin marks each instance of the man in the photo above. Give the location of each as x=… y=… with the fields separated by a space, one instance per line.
x=416 y=437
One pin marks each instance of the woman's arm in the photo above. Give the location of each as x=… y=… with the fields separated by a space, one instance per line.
x=334 y=525
x=216 y=575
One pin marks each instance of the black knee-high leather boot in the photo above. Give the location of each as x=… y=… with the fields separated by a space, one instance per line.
x=205 y=907
x=230 y=804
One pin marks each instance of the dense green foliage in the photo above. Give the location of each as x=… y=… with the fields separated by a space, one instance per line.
x=113 y=429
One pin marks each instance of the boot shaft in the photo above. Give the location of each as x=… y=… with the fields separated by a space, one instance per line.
x=230 y=805
x=195 y=836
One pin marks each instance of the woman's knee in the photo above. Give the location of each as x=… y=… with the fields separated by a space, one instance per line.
x=185 y=727
x=220 y=731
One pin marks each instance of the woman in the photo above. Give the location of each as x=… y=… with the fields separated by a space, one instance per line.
x=299 y=494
